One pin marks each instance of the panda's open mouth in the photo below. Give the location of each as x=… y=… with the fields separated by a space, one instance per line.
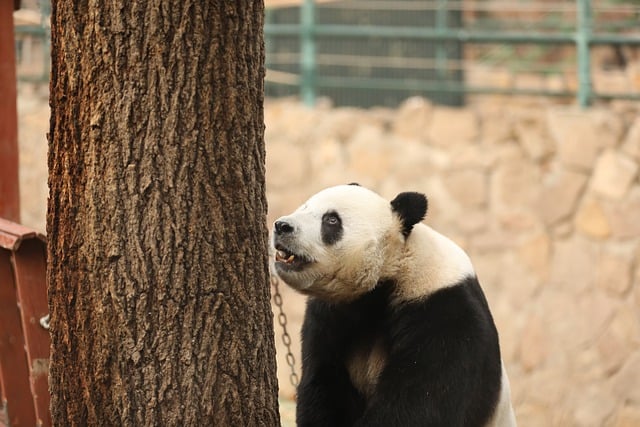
x=289 y=260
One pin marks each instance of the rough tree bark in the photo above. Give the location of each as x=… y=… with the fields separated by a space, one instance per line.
x=158 y=274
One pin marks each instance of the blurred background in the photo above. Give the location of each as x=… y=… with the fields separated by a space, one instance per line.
x=519 y=120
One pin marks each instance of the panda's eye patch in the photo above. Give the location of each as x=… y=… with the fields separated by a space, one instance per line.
x=331 y=229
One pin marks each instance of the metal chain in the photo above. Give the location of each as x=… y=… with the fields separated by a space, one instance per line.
x=286 y=338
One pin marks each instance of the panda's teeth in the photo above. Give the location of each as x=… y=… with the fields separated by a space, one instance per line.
x=281 y=256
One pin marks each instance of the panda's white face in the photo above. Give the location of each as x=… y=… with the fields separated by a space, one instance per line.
x=336 y=244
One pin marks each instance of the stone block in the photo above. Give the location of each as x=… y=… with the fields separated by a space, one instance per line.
x=474 y=156
x=594 y=312
x=450 y=126
x=562 y=230
x=627 y=416
x=516 y=275
x=468 y=187
x=484 y=264
x=542 y=386
x=578 y=153
x=534 y=139
x=533 y=345
x=593 y=128
x=580 y=135
x=610 y=126
x=442 y=207
x=614 y=273
x=287 y=164
x=517 y=220
x=595 y=406
x=559 y=195
x=514 y=183
x=290 y=121
x=473 y=221
x=531 y=414
x=631 y=144
x=625 y=382
x=492 y=240
x=326 y=152
x=497 y=125
x=328 y=163
x=413 y=118
x=619 y=339
x=413 y=161
x=340 y=124
x=535 y=253
x=370 y=153
x=574 y=264
x=623 y=215
x=592 y=221
x=614 y=172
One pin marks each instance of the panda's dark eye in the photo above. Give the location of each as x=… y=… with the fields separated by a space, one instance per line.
x=332 y=220
x=331 y=229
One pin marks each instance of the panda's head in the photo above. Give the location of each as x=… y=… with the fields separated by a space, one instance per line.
x=344 y=240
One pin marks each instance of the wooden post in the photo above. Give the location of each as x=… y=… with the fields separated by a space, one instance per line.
x=9 y=189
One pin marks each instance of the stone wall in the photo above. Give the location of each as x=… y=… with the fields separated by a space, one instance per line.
x=545 y=199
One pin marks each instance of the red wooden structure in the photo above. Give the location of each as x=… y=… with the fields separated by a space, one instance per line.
x=9 y=195
x=24 y=342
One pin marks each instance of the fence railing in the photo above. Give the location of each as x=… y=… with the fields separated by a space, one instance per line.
x=574 y=34
x=384 y=55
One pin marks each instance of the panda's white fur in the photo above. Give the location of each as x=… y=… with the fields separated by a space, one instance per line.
x=365 y=248
x=375 y=250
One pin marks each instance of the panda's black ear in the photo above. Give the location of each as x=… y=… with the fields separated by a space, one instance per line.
x=411 y=208
x=354 y=183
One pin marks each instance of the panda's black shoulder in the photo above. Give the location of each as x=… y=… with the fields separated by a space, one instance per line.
x=452 y=310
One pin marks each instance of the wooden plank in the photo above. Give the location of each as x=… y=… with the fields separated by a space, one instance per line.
x=13 y=360
x=29 y=263
x=9 y=194
x=12 y=234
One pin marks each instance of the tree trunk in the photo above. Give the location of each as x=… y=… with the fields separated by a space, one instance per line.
x=158 y=273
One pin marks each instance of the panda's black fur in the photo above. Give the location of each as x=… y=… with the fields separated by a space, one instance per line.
x=449 y=339
x=440 y=361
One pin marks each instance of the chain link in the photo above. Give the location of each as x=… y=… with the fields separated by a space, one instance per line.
x=286 y=338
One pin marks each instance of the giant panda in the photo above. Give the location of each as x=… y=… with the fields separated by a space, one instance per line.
x=397 y=331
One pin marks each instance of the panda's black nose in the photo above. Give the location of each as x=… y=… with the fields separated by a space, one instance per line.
x=283 y=227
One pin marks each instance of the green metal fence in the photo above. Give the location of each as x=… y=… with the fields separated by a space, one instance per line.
x=572 y=31
x=377 y=52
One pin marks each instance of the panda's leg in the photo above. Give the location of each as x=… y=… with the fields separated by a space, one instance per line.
x=325 y=396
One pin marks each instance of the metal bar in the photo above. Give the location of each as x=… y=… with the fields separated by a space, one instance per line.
x=29 y=268
x=430 y=86
x=453 y=5
x=441 y=28
x=583 y=35
x=614 y=39
x=32 y=30
x=308 y=49
x=461 y=35
x=612 y=96
x=9 y=188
